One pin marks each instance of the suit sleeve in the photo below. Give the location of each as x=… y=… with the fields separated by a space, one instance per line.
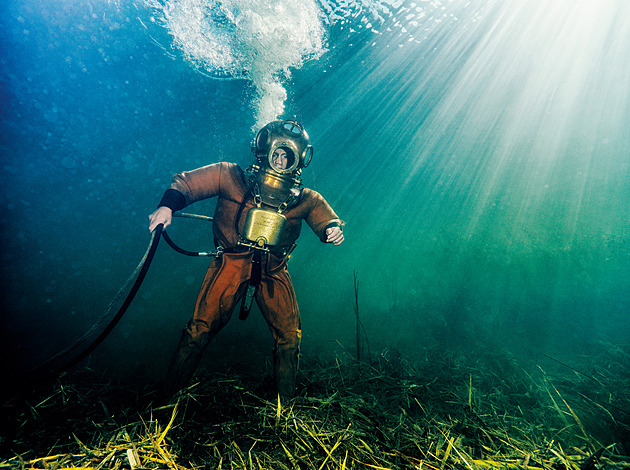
x=321 y=216
x=193 y=186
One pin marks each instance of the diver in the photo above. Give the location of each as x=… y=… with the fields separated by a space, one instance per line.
x=257 y=220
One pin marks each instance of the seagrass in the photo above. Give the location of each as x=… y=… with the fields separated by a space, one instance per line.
x=446 y=411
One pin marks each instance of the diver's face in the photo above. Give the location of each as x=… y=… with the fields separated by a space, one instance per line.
x=279 y=159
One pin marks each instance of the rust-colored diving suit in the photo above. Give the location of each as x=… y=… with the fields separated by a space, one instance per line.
x=228 y=276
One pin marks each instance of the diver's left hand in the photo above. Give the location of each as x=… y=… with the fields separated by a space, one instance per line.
x=334 y=235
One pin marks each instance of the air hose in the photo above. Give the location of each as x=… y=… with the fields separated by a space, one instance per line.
x=92 y=338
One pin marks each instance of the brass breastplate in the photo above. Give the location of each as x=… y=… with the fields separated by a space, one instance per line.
x=264 y=227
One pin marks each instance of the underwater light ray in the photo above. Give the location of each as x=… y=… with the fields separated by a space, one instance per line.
x=537 y=97
x=392 y=88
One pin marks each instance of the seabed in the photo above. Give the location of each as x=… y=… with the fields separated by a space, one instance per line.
x=448 y=411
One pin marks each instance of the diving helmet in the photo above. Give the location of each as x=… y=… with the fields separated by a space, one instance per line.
x=282 y=149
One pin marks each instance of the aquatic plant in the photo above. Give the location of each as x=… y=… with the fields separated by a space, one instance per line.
x=446 y=412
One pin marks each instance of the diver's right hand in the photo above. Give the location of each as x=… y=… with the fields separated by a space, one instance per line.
x=163 y=215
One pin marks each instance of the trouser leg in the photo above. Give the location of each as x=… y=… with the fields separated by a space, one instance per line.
x=223 y=286
x=277 y=302
x=286 y=355
x=184 y=363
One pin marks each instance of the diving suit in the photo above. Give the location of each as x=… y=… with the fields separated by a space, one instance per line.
x=257 y=220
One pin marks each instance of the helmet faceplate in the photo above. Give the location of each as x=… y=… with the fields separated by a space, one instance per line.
x=284 y=134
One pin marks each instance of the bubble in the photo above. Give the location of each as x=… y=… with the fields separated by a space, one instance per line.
x=256 y=40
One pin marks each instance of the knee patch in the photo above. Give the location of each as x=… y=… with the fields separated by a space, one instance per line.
x=290 y=340
x=196 y=333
